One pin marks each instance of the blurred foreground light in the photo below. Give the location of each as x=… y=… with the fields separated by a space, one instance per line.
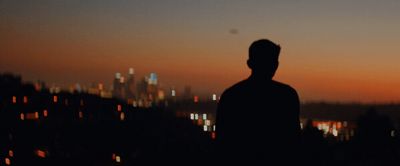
x=119 y=107
x=208 y=122
x=213 y=135
x=7 y=161
x=173 y=93
x=40 y=153
x=117 y=159
x=204 y=116
x=25 y=99
x=55 y=99
x=14 y=99
x=36 y=115
x=11 y=153
x=122 y=116
x=45 y=113
x=114 y=156
x=80 y=114
x=335 y=132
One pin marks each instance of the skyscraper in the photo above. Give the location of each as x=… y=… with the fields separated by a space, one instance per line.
x=117 y=86
x=131 y=84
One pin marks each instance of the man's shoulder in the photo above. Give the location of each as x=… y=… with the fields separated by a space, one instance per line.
x=236 y=88
x=283 y=86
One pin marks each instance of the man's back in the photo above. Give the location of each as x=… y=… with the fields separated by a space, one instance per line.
x=258 y=120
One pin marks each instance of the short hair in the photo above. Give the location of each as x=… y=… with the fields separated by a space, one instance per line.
x=264 y=49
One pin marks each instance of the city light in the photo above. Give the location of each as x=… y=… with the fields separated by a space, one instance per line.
x=196 y=99
x=117 y=76
x=214 y=97
x=10 y=153
x=204 y=116
x=205 y=127
x=213 y=135
x=196 y=116
x=119 y=108
x=55 y=99
x=122 y=116
x=7 y=161
x=208 y=122
x=80 y=114
x=45 y=113
x=22 y=116
x=192 y=116
x=131 y=71
x=117 y=159
x=14 y=99
x=25 y=99
x=173 y=93
x=40 y=153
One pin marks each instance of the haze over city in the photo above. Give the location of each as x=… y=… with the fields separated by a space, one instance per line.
x=334 y=51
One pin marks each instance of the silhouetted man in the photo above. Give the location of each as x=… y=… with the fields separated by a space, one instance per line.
x=258 y=118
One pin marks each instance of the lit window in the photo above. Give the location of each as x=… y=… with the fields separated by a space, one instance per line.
x=173 y=93
x=196 y=99
x=55 y=99
x=192 y=116
x=117 y=159
x=119 y=108
x=214 y=97
x=196 y=116
x=205 y=127
x=80 y=114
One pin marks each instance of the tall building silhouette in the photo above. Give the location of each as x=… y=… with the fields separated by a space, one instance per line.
x=117 y=86
x=131 y=85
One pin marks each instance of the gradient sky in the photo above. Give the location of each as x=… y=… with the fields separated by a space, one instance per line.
x=331 y=50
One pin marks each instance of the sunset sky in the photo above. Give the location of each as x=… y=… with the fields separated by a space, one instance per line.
x=343 y=50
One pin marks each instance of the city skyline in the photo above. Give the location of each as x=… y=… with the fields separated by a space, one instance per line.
x=332 y=51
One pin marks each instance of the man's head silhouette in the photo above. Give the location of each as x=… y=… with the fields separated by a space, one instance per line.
x=263 y=58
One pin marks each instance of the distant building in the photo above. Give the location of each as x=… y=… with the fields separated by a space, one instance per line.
x=131 y=85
